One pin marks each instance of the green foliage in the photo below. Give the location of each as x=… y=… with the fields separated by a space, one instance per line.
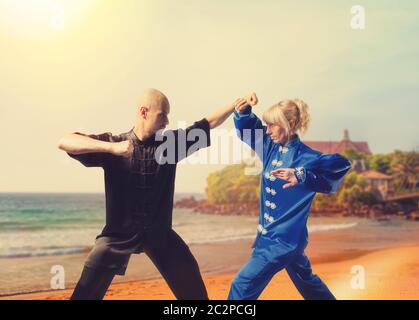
x=351 y=195
x=380 y=163
x=405 y=170
x=354 y=179
x=348 y=198
x=231 y=185
x=325 y=202
x=353 y=198
x=353 y=154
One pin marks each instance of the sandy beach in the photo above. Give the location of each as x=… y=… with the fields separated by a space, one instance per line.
x=390 y=273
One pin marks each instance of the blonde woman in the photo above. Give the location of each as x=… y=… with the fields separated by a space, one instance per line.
x=292 y=174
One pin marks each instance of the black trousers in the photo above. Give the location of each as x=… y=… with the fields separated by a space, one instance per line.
x=175 y=262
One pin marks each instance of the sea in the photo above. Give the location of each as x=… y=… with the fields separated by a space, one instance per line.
x=35 y=228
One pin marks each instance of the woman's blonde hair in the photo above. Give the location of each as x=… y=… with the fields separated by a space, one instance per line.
x=292 y=115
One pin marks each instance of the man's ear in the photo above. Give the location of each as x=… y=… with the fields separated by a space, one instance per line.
x=142 y=112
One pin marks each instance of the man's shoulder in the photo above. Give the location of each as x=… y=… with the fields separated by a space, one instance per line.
x=116 y=137
x=122 y=136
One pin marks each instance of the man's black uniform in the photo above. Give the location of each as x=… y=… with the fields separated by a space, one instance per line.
x=139 y=202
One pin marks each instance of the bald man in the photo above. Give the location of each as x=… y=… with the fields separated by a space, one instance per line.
x=139 y=190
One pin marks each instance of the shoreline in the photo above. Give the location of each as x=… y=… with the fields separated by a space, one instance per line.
x=381 y=283
x=204 y=206
x=222 y=259
x=331 y=240
x=332 y=258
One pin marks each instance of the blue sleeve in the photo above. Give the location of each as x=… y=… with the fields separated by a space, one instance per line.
x=325 y=173
x=250 y=130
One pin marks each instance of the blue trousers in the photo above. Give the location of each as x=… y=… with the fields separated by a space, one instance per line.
x=255 y=275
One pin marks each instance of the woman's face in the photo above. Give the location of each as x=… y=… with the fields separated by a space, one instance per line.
x=277 y=133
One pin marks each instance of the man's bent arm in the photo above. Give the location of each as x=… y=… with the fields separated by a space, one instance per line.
x=218 y=117
x=74 y=143
x=221 y=115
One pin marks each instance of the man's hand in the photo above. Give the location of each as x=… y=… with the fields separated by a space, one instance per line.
x=286 y=174
x=123 y=148
x=243 y=103
x=218 y=117
x=252 y=99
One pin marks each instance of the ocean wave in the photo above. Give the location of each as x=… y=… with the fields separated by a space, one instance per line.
x=311 y=229
x=24 y=226
x=331 y=227
x=35 y=243
x=41 y=252
x=218 y=239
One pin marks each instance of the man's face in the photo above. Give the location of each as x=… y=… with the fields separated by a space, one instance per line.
x=157 y=118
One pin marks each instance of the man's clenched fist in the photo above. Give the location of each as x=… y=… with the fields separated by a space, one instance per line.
x=123 y=148
x=243 y=103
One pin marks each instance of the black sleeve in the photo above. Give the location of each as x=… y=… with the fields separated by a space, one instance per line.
x=192 y=139
x=96 y=159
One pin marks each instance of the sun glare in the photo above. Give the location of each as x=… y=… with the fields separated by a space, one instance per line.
x=40 y=17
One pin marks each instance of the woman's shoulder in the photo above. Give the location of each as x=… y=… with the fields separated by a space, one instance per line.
x=306 y=150
x=315 y=158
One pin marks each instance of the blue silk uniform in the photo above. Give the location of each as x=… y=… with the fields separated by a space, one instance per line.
x=282 y=231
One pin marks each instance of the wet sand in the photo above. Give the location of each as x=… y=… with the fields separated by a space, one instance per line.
x=390 y=273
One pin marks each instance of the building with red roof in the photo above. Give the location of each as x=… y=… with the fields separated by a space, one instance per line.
x=340 y=146
x=377 y=181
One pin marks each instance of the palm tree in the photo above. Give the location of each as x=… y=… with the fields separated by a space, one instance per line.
x=405 y=169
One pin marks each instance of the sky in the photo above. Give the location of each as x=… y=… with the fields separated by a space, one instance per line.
x=80 y=65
